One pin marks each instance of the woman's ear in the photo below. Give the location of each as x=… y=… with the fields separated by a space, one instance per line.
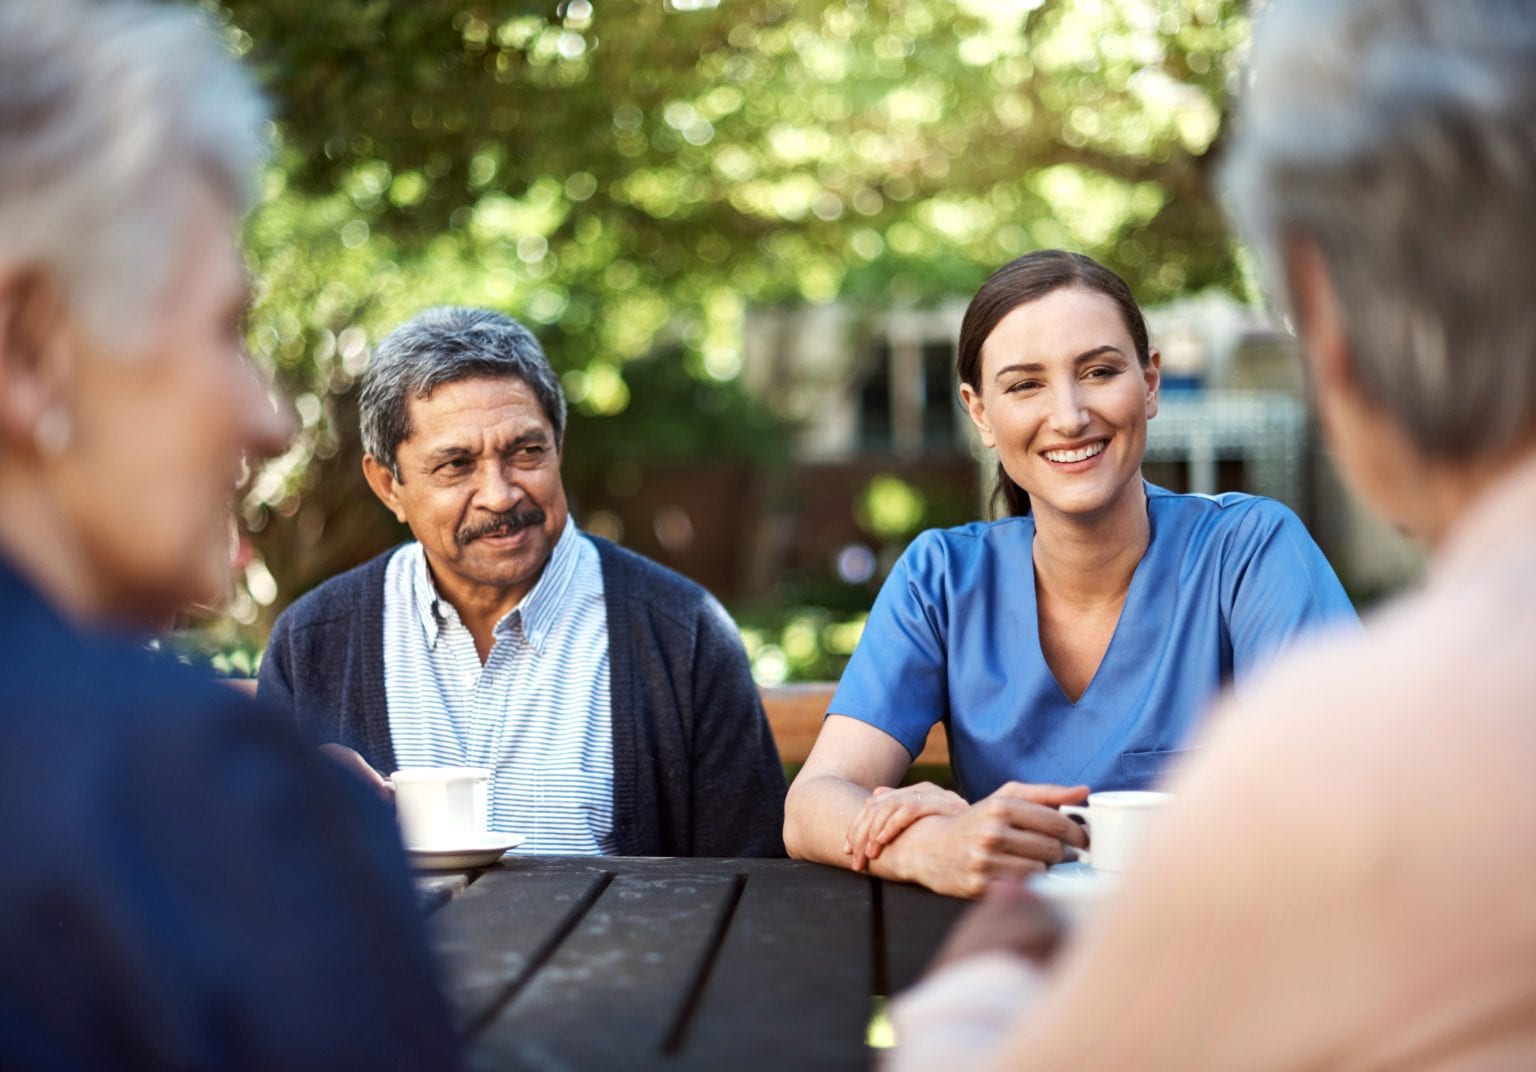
x=977 y=410
x=1153 y=374
x=36 y=362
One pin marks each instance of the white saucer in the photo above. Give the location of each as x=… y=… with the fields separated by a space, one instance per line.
x=1075 y=890
x=482 y=852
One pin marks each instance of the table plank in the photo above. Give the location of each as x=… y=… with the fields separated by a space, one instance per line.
x=582 y=963
x=790 y=986
x=611 y=994
x=492 y=936
x=915 y=922
x=435 y=889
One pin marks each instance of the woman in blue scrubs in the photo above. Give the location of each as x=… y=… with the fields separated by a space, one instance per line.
x=1074 y=643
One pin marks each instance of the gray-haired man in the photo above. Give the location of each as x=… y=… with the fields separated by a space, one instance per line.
x=610 y=697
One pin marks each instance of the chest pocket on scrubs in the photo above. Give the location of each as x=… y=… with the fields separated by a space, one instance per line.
x=1142 y=769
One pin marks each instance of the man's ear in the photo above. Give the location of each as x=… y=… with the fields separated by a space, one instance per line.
x=382 y=480
x=1319 y=317
x=978 y=413
x=37 y=355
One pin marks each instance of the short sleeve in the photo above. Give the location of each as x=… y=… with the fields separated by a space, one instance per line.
x=1276 y=587
x=897 y=680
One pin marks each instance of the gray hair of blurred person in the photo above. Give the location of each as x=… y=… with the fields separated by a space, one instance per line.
x=445 y=345
x=1399 y=137
x=93 y=127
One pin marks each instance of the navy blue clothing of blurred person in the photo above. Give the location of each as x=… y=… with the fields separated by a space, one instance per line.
x=183 y=883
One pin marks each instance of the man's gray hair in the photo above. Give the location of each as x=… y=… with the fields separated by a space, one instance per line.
x=108 y=113
x=444 y=345
x=1399 y=136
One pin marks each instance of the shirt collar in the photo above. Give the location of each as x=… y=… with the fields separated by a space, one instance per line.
x=536 y=611
x=542 y=605
x=424 y=596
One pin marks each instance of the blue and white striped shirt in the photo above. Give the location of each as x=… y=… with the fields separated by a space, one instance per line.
x=537 y=713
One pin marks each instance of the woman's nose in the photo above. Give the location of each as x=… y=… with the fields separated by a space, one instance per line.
x=1068 y=414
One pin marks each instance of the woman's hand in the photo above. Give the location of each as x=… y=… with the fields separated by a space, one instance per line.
x=1009 y=835
x=889 y=811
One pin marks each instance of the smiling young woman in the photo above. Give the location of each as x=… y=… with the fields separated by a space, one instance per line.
x=1073 y=643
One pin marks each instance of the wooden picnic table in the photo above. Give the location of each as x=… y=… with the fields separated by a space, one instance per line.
x=583 y=963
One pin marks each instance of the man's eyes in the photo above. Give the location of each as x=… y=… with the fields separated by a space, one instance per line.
x=528 y=452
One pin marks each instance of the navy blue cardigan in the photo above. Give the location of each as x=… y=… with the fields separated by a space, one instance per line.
x=695 y=771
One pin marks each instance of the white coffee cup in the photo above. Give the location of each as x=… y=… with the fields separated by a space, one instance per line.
x=442 y=807
x=1117 y=822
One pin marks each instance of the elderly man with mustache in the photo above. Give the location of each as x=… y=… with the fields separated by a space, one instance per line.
x=610 y=697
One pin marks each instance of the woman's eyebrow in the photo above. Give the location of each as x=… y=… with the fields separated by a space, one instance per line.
x=1035 y=366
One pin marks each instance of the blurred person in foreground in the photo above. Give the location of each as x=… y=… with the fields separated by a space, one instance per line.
x=183 y=882
x=610 y=698
x=1344 y=880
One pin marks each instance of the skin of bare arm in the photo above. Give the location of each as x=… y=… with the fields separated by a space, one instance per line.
x=959 y=852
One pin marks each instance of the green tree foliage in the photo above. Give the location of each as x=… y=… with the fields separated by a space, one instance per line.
x=629 y=176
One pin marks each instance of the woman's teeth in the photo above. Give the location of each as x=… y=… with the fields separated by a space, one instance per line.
x=1081 y=454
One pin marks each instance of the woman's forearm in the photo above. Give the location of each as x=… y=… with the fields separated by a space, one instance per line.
x=817 y=814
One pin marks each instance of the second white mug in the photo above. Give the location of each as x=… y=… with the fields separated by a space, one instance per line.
x=1117 y=822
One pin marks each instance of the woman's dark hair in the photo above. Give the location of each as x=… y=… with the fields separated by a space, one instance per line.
x=1016 y=283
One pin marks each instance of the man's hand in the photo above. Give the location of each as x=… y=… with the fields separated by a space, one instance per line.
x=1010 y=919
x=359 y=766
x=1011 y=834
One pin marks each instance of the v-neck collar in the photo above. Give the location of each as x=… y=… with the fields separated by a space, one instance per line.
x=1132 y=601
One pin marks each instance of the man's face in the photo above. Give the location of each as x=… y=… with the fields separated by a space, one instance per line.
x=479 y=486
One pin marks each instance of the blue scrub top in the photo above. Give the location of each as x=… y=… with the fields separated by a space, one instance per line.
x=1226 y=582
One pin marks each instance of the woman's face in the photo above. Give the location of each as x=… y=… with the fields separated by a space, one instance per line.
x=1065 y=402
x=160 y=433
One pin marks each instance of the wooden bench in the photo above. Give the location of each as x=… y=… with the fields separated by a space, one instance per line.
x=794 y=715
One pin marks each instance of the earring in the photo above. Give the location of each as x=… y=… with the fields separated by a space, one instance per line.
x=53 y=433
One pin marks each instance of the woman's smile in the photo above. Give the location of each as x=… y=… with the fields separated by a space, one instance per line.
x=1075 y=458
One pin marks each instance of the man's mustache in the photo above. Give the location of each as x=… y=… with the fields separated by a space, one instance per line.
x=506 y=523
